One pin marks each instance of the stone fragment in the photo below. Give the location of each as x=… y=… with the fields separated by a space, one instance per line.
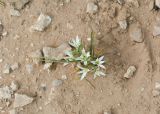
x=42 y=22
x=15 y=66
x=92 y=8
x=5 y=93
x=47 y=66
x=22 y=100
x=156 y=29
x=7 y=69
x=14 y=12
x=123 y=24
x=130 y=72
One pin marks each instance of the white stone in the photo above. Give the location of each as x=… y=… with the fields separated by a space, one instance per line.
x=22 y=100
x=15 y=13
x=7 y=69
x=15 y=66
x=130 y=72
x=5 y=93
x=64 y=77
x=123 y=24
x=42 y=22
x=92 y=8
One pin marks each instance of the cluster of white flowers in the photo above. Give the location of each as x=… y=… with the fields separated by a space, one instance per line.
x=86 y=63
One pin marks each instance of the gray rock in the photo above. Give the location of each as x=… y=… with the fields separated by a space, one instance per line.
x=15 y=66
x=15 y=13
x=29 y=68
x=22 y=100
x=56 y=53
x=42 y=22
x=5 y=93
x=157 y=3
x=92 y=8
x=130 y=72
x=36 y=56
x=136 y=33
x=20 y=4
x=7 y=69
x=14 y=86
x=123 y=24
x=57 y=83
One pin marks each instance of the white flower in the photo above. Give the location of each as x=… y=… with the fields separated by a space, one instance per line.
x=83 y=72
x=98 y=73
x=69 y=55
x=85 y=57
x=76 y=43
x=99 y=62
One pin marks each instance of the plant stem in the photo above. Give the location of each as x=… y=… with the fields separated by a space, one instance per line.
x=92 y=45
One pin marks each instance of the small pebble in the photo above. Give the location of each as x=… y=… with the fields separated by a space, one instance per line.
x=130 y=72
x=14 y=86
x=7 y=69
x=15 y=13
x=64 y=77
x=92 y=8
x=15 y=66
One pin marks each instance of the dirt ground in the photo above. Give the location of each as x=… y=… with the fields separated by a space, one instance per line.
x=113 y=92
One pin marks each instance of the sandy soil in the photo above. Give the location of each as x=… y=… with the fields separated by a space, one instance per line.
x=113 y=92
